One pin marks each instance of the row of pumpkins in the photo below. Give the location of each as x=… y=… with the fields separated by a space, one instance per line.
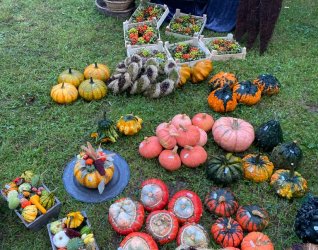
x=180 y=220
x=233 y=135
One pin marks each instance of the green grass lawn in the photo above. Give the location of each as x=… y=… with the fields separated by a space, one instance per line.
x=39 y=39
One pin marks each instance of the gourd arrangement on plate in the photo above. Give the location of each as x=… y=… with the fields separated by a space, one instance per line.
x=71 y=83
x=181 y=131
x=227 y=92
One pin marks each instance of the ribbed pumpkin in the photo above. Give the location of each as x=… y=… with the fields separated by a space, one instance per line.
x=193 y=235
x=169 y=159
x=188 y=135
x=232 y=134
x=154 y=194
x=92 y=89
x=252 y=218
x=201 y=70
x=138 y=241
x=167 y=136
x=285 y=154
x=227 y=232
x=257 y=167
x=97 y=71
x=186 y=205
x=224 y=169
x=256 y=241
x=222 y=100
x=185 y=74
x=268 y=84
x=247 y=93
x=64 y=93
x=221 y=201
x=221 y=79
x=29 y=213
x=289 y=183
x=162 y=225
x=269 y=135
x=203 y=137
x=129 y=124
x=126 y=216
x=150 y=147
x=193 y=157
x=181 y=119
x=71 y=76
x=203 y=121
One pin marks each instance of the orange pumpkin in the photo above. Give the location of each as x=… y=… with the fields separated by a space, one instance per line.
x=256 y=241
x=201 y=70
x=252 y=218
x=71 y=76
x=97 y=71
x=64 y=93
x=169 y=159
x=247 y=93
x=221 y=79
x=222 y=99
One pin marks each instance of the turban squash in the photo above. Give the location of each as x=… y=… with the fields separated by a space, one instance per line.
x=222 y=100
x=221 y=79
x=252 y=218
x=247 y=93
x=268 y=84
x=193 y=235
x=71 y=76
x=64 y=93
x=138 y=240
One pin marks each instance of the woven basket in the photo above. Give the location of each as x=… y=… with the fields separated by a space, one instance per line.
x=118 y=5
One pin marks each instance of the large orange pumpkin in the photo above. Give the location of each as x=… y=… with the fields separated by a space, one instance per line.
x=222 y=99
x=232 y=134
x=97 y=71
x=256 y=241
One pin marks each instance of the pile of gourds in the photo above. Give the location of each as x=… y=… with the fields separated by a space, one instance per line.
x=71 y=83
x=28 y=197
x=190 y=135
x=227 y=91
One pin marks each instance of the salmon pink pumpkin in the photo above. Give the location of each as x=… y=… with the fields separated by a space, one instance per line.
x=203 y=137
x=203 y=121
x=181 y=119
x=167 y=137
x=188 y=135
x=150 y=147
x=233 y=134
x=169 y=159
x=193 y=157
x=164 y=125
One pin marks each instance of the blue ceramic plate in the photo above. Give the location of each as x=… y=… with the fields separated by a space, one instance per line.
x=112 y=189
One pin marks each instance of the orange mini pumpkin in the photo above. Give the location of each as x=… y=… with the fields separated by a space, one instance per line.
x=222 y=100
x=97 y=71
x=256 y=240
x=247 y=93
x=64 y=93
x=201 y=70
x=221 y=79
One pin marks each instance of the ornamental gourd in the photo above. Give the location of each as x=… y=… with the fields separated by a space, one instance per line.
x=221 y=201
x=201 y=70
x=256 y=240
x=227 y=232
x=222 y=100
x=167 y=136
x=285 y=154
x=185 y=74
x=203 y=121
x=129 y=124
x=186 y=205
x=181 y=119
x=289 y=183
x=64 y=93
x=233 y=134
x=224 y=169
x=269 y=135
x=257 y=167
x=29 y=213
x=193 y=157
x=71 y=76
x=163 y=226
x=138 y=241
x=247 y=93
x=221 y=79
x=126 y=216
x=188 y=135
x=193 y=235
x=252 y=218
x=97 y=71
x=150 y=147
x=92 y=89
x=154 y=194
x=74 y=219
x=268 y=84
x=169 y=159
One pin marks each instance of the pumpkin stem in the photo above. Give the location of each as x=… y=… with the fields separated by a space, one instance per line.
x=257 y=158
x=221 y=199
x=204 y=115
x=91 y=80
x=62 y=87
x=175 y=149
x=182 y=127
x=96 y=66
x=70 y=70
x=258 y=213
x=229 y=223
x=292 y=170
x=188 y=147
x=235 y=124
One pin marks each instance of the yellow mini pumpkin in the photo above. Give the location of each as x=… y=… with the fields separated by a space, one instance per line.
x=92 y=89
x=74 y=219
x=185 y=74
x=29 y=213
x=201 y=70
x=71 y=76
x=129 y=124
x=97 y=71
x=257 y=168
x=64 y=93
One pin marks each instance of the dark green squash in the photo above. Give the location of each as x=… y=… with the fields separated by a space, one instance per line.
x=224 y=169
x=268 y=84
x=286 y=153
x=269 y=135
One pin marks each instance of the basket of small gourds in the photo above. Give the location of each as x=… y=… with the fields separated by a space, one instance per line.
x=31 y=200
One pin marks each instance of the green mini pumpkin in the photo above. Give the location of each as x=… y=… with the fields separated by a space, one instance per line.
x=286 y=153
x=269 y=135
x=224 y=169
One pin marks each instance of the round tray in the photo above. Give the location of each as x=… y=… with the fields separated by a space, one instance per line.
x=88 y=195
x=101 y=6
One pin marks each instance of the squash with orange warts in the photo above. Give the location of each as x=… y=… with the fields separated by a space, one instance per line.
x=221 y=79
x=222 y=100
x=247 y=93
x=201 y=70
